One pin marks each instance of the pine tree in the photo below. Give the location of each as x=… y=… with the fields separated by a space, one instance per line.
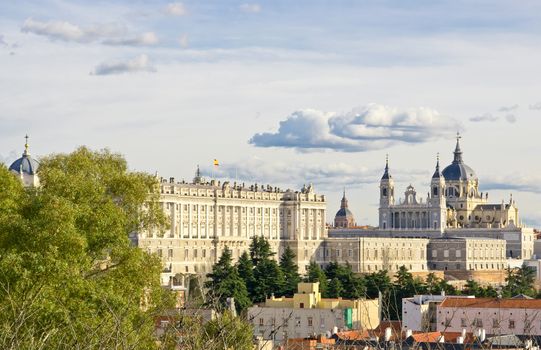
x=290 y=270
x=269 y=279
x=245 y=268
x=316 y=274
x=224 y=282
x=335 y=288
x=260 y=250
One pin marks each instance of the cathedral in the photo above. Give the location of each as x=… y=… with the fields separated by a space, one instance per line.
x=344 y=217
x=453 y=201
x=26 y=168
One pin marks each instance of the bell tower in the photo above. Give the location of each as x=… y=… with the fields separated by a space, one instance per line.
x=386 y=197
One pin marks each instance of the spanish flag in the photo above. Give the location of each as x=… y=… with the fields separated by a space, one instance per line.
x=216 y=163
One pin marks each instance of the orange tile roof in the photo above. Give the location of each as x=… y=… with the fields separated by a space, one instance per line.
x=429 y=337
x=492 y=303
x=353 y=335
x=433 y=337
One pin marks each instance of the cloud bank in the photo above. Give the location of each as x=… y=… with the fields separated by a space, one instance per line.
x=486 y=117
x=110 y=34
x=362 y=129
x=536 y=106
x=508 y=108
x=138 y=64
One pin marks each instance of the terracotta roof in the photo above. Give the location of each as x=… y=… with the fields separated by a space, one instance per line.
x=353 y=335
x=448 y=337
x=429 y=337
x=492 y=303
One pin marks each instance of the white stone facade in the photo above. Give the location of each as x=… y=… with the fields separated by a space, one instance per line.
x=205 y=217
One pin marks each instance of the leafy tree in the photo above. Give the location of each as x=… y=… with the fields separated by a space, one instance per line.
x=69 y=275
x=224 y=282
x=290 y=270
x=224 y=332
x=316 y=274
x=245 y=268
x=436 y=285
x=335 y=288
x=353 y=286
x=378 y=282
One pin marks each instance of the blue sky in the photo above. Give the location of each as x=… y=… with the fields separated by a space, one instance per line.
x=282 y=92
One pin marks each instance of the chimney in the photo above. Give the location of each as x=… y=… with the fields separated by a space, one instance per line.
x=441 y=339
x=483 y=335
x=409 y=333
x=460 y=340
x=388 y=333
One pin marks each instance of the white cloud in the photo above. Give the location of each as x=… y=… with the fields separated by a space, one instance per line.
x=511 y=118
x=250 y=8
x=536 y=106
x=485 y=117
x=364 y=128
x=138 y=64
x=508 y=108
x=3 y=42
x=176 y=9
x=106 y=33
x=183 y=40
x=148 y=38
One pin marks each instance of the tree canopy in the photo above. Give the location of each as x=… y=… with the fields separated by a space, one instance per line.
x=69 y=275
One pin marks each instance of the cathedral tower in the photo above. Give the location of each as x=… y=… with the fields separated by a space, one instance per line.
x=386 y=197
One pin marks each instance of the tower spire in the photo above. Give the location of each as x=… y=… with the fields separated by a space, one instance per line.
x=344 y=203
x=458 y=151
x=386 y=174
x=26 y=146
x=437 y=173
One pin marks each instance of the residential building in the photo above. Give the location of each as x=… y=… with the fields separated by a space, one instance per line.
x=307 y=314
x=419 y=313
x=496 y=316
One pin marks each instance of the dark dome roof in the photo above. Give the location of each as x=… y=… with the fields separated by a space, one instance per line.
x=458 y=170
x=26 y=164
x=344 y=212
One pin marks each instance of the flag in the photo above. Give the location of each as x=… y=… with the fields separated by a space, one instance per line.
x=216 y=162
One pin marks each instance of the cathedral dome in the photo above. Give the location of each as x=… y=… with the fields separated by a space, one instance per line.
x=344 y=212
x=458 y=170
x=26 y=164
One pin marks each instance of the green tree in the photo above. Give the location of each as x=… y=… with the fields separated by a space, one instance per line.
x=316 y=274
x=353 y=286
x=224 y=282
x=269 y=280
x=376 y=283
x=291 y=272
x=404 y=286
x=245 y=267
x=335 y=288
x=520 y=281
x=260 y=249
x=268 y=277
x=69 y=275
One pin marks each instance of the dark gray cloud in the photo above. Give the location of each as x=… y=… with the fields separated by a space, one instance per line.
x=486 y=117
x=362 y=129
x=138 y=64
x=508 y=108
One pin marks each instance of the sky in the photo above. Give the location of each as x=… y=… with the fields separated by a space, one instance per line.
x=283 y=92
